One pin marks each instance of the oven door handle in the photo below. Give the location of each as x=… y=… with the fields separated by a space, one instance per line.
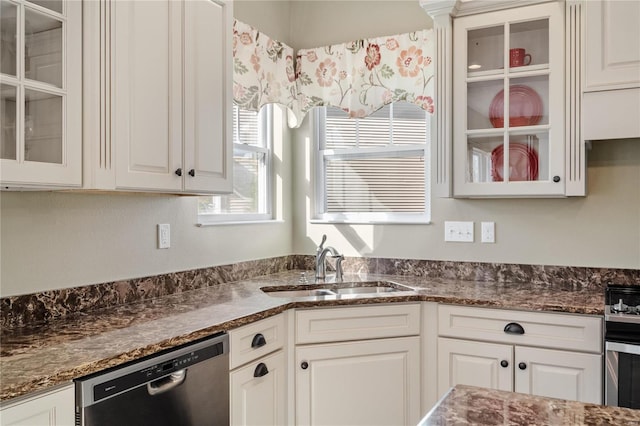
x=624 y=348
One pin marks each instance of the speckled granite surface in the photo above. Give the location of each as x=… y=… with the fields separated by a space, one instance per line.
x=35 y=357
x=466 y=405
x=18 y=311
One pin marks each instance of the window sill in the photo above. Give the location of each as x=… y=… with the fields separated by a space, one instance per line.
x=240 y=222
x=369 y=222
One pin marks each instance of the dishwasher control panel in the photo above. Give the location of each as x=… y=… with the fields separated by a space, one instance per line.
x=154 y=372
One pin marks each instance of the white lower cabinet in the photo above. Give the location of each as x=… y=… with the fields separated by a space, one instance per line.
x=258 y=378
x=463 y=362
x=358 y=365
x=258 y=392
x=374 y=382
x=558 y=374
x=533 y=360
x=55 y=408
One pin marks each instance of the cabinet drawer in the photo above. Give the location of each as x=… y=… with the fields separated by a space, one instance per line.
x=255 y=340
x=357 y=323
x=558 y=331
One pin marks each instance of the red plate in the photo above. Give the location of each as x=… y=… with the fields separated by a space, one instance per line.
x=525 y=107
x=523 y=163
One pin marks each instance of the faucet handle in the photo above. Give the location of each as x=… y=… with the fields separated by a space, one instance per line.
x=339 y=274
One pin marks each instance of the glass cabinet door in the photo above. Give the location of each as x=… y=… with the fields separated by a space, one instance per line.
x=502 y=134
x=35 y=82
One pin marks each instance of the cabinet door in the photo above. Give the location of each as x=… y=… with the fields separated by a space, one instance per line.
x=147 y=93
x=41 y=94
x=612 y=54
x=559 y=374
x=51 y=409
x=208 y=83
x=258 y=392
x=508 y=84
x=370 y=382
x=463 y=362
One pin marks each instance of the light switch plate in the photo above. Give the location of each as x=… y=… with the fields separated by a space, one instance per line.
x=488 y=232
x=164 y=236
x=458 y=232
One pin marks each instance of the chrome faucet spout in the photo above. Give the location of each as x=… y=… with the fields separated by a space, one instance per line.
x=321 y=256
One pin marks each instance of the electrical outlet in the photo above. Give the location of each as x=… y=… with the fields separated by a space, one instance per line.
x=488 y=232
x=458 y=232
x=164 y=236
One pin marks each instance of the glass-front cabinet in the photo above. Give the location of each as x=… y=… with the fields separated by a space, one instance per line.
x=509 y=112
x=40 y=93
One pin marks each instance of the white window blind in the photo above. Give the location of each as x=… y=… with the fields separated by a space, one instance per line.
x=373 y=168
x=250 y=199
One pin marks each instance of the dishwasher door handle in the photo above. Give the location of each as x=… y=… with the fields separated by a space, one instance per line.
x=166 y=383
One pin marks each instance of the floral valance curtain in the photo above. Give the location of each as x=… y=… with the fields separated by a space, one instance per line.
x=263 y=70
x=359 y=77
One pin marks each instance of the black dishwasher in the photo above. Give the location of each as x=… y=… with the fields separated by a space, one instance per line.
x=185 y=386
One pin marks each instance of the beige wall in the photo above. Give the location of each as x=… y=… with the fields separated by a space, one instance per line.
x=58 y=240
x=602 y=229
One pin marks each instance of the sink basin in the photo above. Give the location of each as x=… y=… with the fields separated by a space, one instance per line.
x=300 y=293
x=368 y=290
x=336 y=290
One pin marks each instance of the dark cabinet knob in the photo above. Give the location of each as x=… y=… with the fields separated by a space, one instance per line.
x=258 y=340
x=504 y=363
x=192 y=172
x=179 y=172
x=304 y=365
x=513 y=328
x=556 y=179
x=261 y=370
x=522 y=366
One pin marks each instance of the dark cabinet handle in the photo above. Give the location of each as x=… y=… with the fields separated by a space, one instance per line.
x=556 y=179
x=522 y=366
x=258 y=340
x=304 y=365
x=504 y=363
x=179 y=172
x=513 y=328
x=192 y=172
x=261 y=370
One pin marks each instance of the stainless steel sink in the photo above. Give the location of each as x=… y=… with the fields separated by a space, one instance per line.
x=368 y=290
x=319 y=292
x=336 y=290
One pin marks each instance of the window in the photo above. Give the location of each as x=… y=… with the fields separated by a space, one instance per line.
x=373 y=169
x=251 y=197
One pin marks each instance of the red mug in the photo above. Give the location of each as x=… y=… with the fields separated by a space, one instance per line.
x=517 y=58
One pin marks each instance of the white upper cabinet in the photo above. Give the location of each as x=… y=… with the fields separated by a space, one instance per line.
x=611 y=104
x=508 y=89
x=159 y=119
x=40 y=94
x=508 y=79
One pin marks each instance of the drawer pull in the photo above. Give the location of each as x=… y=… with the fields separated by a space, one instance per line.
x=504 y=363
x=258 y=341
x=261 y=370
x=179 y=172
x=513 y=328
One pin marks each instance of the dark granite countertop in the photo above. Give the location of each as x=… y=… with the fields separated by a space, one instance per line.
x=467 y=405
x=37 y=357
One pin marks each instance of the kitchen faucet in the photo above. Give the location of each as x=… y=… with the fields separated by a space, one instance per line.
x=321 y=255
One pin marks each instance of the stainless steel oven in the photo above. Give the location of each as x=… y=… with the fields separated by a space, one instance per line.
x=622 y=346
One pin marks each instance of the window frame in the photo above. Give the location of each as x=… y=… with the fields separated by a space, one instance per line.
x=319 y=214
x=265 y=201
